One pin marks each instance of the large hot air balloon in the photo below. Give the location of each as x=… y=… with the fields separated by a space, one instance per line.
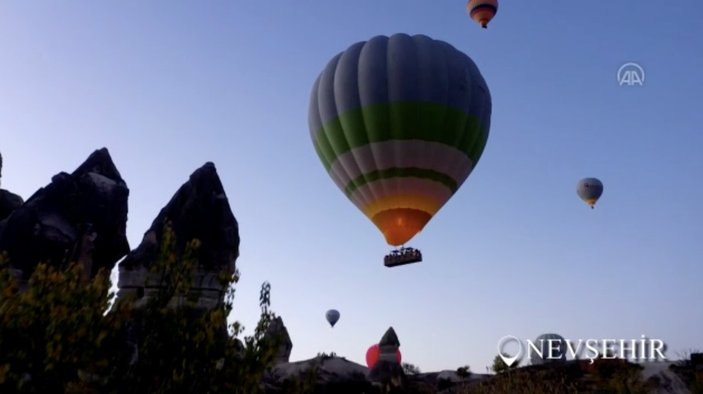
x=590 y=190
x=374 y=352
x=399 y=123
x=332 y=316
x=482 y=11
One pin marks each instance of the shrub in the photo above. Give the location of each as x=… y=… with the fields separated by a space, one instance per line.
x=410 y=369
x=60 y=334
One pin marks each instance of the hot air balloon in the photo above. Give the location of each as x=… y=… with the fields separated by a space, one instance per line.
x=482 y=11
x=544 y=343
x=373 y=353
x=332 y=316
x=399 y=123
x=590 y=190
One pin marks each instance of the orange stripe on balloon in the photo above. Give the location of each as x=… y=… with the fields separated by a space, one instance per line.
x=426 y=204
x=483 y=15
x=401 y=224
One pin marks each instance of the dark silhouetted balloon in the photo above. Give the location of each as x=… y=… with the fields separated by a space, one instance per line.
x=544 y=342
x=590 y=190
x=332 y=316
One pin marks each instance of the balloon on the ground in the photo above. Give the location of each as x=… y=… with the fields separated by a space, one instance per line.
x=374 y=352
x=399 y=123
x=482 y=11
x=332 y=316
x=590 y=190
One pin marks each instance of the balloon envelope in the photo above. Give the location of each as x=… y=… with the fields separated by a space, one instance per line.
x=332 y=316
x=399 y=123
x=482 y=11
x=374 y=352
x=552 y=348
x=590 y=190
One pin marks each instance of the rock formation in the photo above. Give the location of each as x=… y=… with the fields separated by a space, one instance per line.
x=199 y=210
x=277 y=331
x=8 y=203
x=322 y=374
x=387 y=371
x=80 y=216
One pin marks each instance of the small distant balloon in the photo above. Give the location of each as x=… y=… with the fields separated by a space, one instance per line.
x=374 y=352
x=482 y=11
x=552 y=349
x=332 y=316
x=590 y=190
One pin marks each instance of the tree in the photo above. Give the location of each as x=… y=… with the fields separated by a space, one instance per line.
x=464 y=371
x=500 y=366
x=60 y=334
x=54 y=328
x=410 y=369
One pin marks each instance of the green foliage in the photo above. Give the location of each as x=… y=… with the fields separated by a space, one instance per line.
x=690 y=373
x=410 y=369
x=58 y=333
x=619 y=376
x=464 y=371
x=520 y=384
x=499 y=366
x=54 y=328
x=305 y=382
x=611 y=376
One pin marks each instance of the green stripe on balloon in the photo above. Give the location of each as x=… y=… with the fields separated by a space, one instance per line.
x=411 y=120
x=401 y=172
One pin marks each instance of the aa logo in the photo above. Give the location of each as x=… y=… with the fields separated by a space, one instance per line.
x=631 y=74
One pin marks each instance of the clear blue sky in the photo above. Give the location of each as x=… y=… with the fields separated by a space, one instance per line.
x=169 y=85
